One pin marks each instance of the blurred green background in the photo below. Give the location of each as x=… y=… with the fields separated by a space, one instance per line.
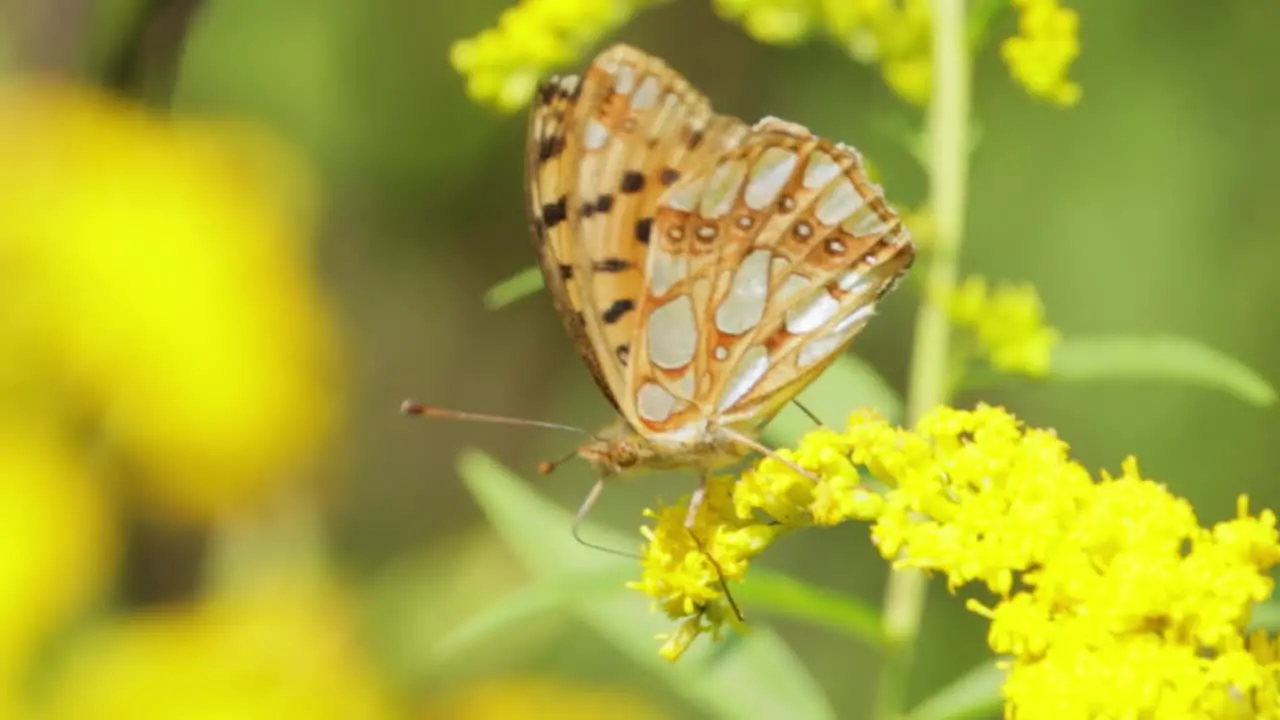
x=1151 y=208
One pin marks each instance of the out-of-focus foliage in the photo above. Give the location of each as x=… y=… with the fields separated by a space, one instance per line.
x=209 y=313
x=268 y=653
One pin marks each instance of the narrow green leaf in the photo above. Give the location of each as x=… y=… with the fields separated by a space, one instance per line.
x=524 y=605
x=849 y=384
x=974 y=694
x=755 y=676
x=1159 y=358
x=784 y=595
x=526 y=282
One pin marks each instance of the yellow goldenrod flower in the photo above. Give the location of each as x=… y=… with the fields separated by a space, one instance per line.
x=167 y=304
x=268 y=653
x=684 y=574
x=1007 y=323
x=1040 y=55
x=1112 y=599
x=502 y=65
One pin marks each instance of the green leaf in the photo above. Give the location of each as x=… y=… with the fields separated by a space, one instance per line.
x=755 y=675
x=974 y=694
x=1266 y=616
x=982 y=15
x=525 y=605
x=847 y=385
x=1158 y=358
x=526 y=282
x=784 y=595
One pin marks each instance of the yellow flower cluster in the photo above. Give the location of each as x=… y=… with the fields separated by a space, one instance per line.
x=162 y=338
x=896 y=34
x=503 y=64
x=161 y=275
x=1110 y=595
x=1007 y=323
x=778 y=22
x=1040 y=55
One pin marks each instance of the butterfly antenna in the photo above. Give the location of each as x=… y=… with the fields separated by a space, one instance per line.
x=546 y=467
x=764 y=450
x=413 y=407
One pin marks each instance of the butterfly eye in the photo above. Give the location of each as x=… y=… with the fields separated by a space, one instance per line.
x=626 y=456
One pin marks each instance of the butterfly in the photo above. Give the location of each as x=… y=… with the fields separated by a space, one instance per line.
x=706 y=270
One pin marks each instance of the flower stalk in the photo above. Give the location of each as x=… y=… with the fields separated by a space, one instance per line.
x=947 y=127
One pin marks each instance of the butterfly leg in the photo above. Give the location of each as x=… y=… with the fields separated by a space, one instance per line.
x=581 y=516
x=763 y=450
x=812 y=416
x=695 y=503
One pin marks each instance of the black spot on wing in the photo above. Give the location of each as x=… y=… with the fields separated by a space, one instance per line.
x=617 y=310
x=554 y=213
x=611 y=265
x=643 y=227
x=632 y=182
x=550 y=147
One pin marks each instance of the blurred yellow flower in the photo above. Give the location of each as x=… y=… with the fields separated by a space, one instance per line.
x=897 y=34
x=57 y=546
x=1112 y=599
x=161 y=271
x=778 y=22
x=502 y=65
x=534 y=698
x=1040 y=55
x=271 y=654
x=1007 y=324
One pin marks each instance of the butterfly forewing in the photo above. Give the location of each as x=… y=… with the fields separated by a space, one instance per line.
x=550 y=180
x=643 y=128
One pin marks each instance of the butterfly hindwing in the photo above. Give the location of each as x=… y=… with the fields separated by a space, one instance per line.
x=762 y=270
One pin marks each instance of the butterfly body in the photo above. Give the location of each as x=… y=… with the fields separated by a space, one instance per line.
x=706 y=270
x=619 y=449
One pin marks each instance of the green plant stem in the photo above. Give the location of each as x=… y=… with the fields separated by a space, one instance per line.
x=948 y=150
